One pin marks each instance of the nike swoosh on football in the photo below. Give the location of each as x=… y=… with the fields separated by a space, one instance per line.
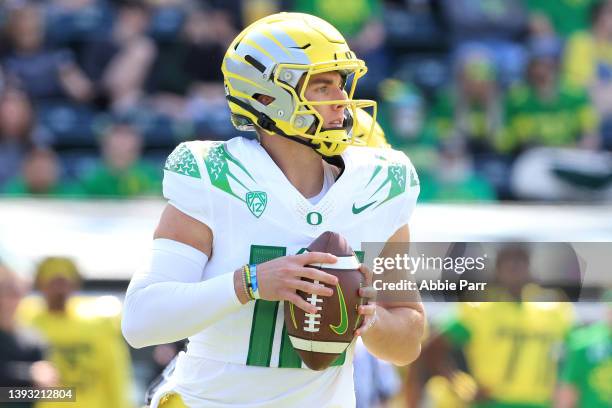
x=357 y=210
x=341 y=328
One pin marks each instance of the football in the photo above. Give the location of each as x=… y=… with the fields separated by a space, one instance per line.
x=321 y=338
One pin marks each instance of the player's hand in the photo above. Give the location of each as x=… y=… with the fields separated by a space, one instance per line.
x=281 y=278
x=368 y=310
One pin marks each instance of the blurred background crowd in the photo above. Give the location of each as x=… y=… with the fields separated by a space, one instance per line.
x=491 y=99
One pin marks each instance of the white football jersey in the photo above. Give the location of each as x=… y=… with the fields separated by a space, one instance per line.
x=255 y=215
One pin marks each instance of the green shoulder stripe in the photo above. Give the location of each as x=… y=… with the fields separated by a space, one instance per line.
x=183 y=162
x=217 y=159
x=397 y=176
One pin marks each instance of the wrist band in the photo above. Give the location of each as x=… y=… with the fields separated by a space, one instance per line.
x=247 y=271
x=254 y=284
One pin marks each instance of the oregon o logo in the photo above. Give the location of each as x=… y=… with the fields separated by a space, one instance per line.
x=314 y=218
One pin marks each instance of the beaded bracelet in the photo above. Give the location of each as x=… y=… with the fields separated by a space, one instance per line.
x=244 y=283
x=247 y=273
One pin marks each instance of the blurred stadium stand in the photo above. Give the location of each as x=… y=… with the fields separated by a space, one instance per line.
x=156 y=66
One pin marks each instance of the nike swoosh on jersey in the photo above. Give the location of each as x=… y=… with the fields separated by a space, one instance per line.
x=357 y=210
x=341 y=328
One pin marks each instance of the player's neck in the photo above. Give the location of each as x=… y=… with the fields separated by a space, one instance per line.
x=300 y=164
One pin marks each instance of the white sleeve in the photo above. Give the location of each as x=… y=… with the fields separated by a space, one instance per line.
x=169 y=301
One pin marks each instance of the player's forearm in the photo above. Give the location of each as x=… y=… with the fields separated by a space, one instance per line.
x=170 y=311
x=170 y=302
x=396 y=335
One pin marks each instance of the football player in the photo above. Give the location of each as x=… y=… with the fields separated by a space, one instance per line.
x=252 y=205
x=510 y=345
x=88 y=351
x=376 y=139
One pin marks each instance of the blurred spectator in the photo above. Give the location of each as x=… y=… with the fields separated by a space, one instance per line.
x=548 y=112
x=520 y=336
x=468 y=117
x=190 y=65
x=448 y=176
x=40 y=176
x=120 y=63
x=42 y=73
x=376 y=381
x=588 y=58
x=565 y=16
x=22 y=350
x=361 y=24
x=445 y=168
x=88 y=352
x=470 y=113
x=545 y=111
x=16 y=125
x=122 y=173
x=497 y=25
x=542 y=36
x=75 y=23
x=402 y=112
x=587 y=371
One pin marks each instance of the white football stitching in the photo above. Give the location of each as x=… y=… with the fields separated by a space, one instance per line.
x=312 y=320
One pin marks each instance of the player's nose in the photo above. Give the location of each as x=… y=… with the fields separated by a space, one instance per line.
x=340 y=95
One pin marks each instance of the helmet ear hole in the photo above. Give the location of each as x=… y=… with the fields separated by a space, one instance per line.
x=263 y=99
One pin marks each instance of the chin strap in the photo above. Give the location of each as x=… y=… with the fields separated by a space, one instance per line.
x=265 y=122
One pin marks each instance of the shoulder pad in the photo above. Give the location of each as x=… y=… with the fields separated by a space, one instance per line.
x=182 y=161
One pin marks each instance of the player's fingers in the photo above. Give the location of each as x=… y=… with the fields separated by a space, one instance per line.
x=368 y=292
x=313 y=258
x=309 y=287
x=367 y=273
x=368 y=322
x=319 y=275
x=301 y=303
x=366 y=310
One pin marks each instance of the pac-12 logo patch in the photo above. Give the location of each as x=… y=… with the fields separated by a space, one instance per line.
x=257 y=201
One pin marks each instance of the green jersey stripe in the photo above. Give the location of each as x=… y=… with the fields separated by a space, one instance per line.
x=262 y=333
x=264 y=314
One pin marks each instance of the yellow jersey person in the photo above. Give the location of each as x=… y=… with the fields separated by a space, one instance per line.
x=88 y=351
